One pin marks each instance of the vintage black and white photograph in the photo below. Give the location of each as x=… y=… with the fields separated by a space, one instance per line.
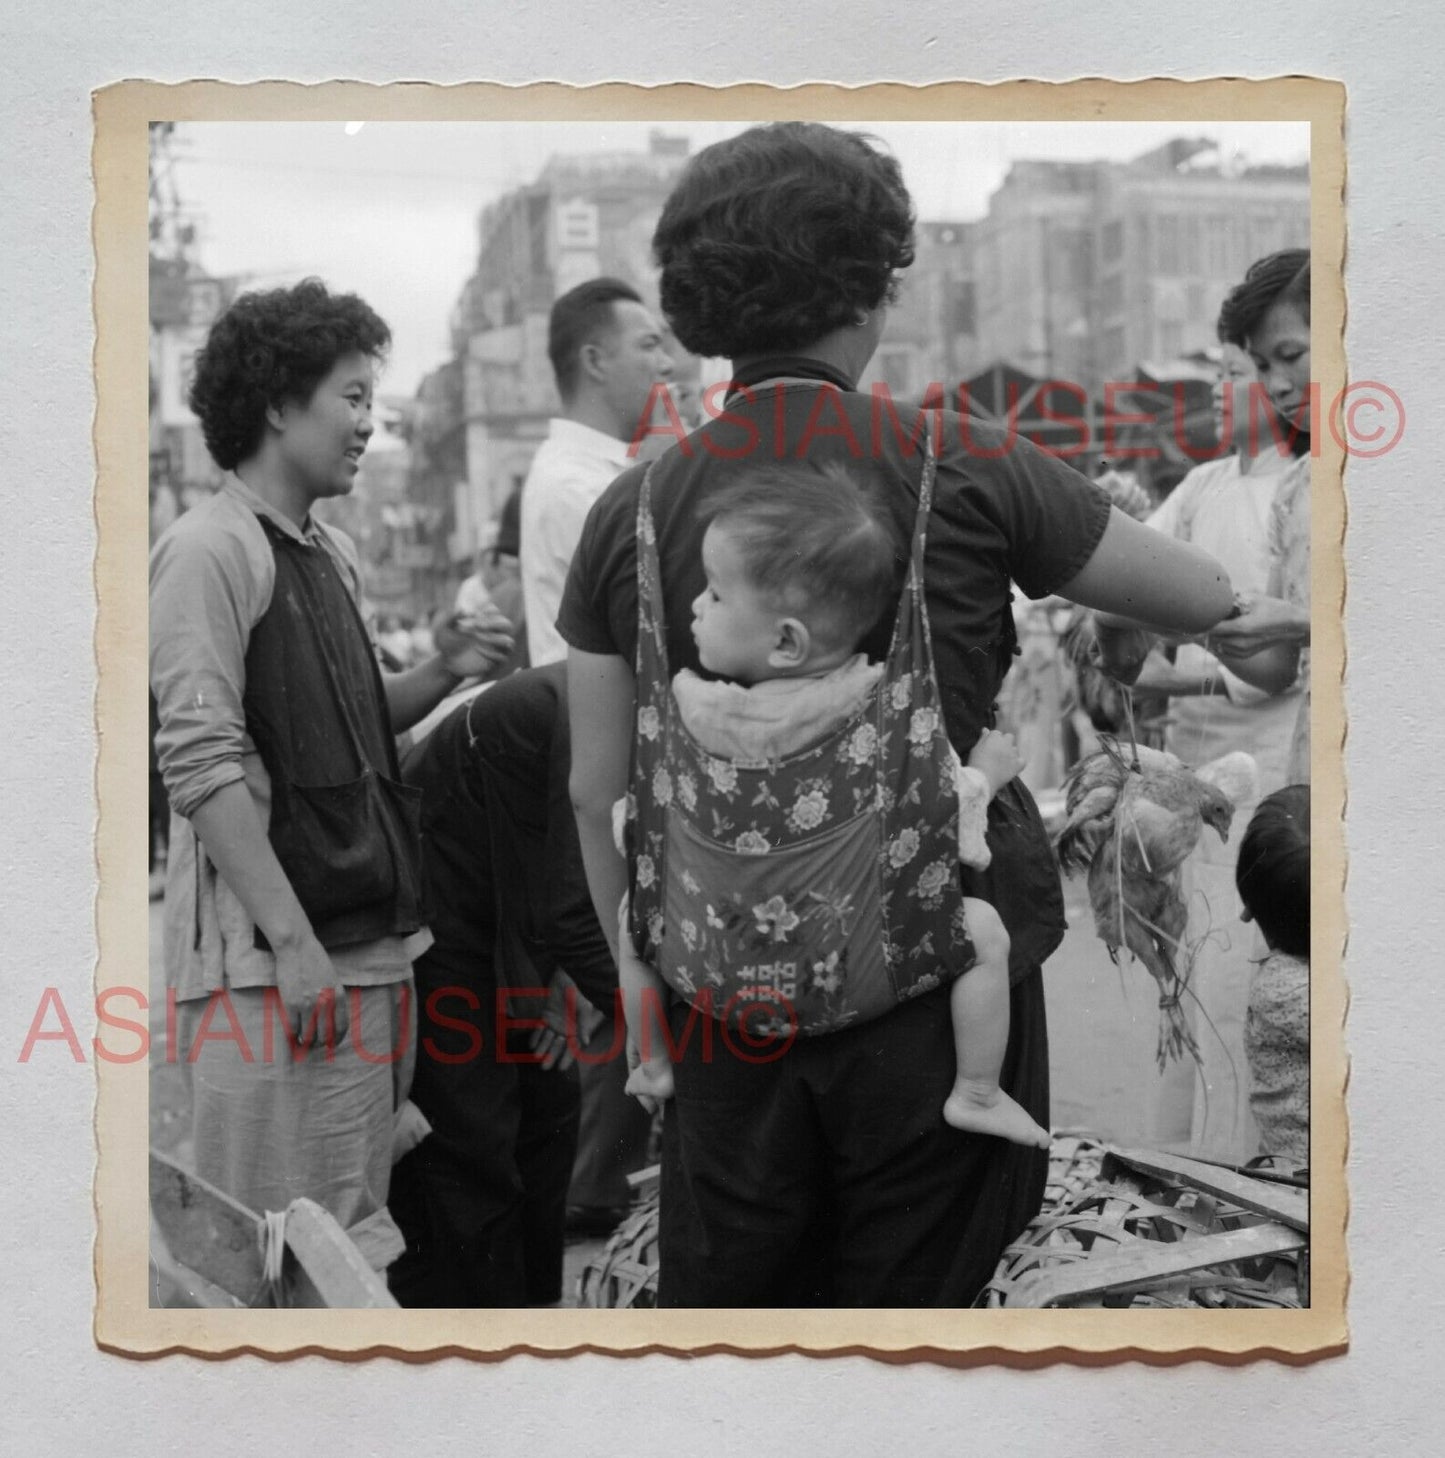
x=730 y=714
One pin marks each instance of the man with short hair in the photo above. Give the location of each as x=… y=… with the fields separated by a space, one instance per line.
x=608 y=352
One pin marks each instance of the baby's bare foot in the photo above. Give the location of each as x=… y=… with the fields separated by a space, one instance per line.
x=981 y=1107
x=650 y=1081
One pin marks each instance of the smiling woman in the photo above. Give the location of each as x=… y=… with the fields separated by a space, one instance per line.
x=295 y=873
x=321 y=440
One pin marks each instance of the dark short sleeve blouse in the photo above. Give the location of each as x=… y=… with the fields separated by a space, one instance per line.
x=1004 y=513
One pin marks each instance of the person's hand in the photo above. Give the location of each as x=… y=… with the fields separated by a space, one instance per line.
x=1126 y=493
x=997 y=756
x=551 y=1040
x=550 y=1043
x=1119 y=649
x=1261 y=622
x=650 y=1103
x=311 y=994
x=471 y=644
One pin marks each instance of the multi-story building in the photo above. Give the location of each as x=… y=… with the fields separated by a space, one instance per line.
x=1088 y=270
x=1034 y=262
x=1174 y=239
x=583 y=217
x=184 y=303
x=931 y=335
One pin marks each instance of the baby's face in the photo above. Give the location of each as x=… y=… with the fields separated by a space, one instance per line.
x=735 y=626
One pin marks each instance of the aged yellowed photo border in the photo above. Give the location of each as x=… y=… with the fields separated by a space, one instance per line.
x=124 y=1320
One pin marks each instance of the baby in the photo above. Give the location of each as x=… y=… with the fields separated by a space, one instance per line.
x=799 y=569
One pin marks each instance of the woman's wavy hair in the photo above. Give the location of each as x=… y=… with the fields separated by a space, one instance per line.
x=1282 y=277
x=781 y=235
x=272 y=348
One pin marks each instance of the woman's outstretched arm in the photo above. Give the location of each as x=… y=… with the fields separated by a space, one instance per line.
x=1139 y=576
x=1140 y=582
x=600 y=708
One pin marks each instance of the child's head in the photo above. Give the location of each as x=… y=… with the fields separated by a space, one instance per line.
x=1273 y=871
x=799 y=568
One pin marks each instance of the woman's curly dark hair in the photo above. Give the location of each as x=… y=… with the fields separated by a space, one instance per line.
x=779 y=236
x=270 y=348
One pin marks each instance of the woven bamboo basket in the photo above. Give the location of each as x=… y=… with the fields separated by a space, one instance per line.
x=1101 y=1214
x=625 y=1273
x=1115 y=1232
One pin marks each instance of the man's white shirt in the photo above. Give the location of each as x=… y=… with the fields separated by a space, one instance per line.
x=571 y=469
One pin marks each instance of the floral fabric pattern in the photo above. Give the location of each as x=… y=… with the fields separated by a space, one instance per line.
x=816 y=891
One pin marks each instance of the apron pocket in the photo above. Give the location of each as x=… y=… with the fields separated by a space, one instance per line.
x=350 y=846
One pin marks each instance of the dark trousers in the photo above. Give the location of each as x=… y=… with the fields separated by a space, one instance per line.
x=828 y=1177
x=481 y=1200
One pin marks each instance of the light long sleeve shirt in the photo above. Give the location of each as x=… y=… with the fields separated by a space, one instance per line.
x=211 y=578
x=1228 y=513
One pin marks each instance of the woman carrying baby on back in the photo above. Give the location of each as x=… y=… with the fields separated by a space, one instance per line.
x=799 y=569
x=830 y=1176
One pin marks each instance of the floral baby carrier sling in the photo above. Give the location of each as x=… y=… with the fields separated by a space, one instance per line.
x=814 y=891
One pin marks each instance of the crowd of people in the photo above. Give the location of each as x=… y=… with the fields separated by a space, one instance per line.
x=695 y=811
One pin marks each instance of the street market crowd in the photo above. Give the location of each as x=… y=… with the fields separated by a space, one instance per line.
x=700 y=829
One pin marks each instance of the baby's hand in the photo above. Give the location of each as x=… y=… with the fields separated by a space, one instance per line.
x=997 y=757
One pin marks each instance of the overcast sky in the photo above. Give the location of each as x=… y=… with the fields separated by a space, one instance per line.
x=391 y=210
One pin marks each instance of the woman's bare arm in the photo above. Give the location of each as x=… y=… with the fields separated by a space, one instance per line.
x=1139 y=582
x=600 y=708
x=1140 y=577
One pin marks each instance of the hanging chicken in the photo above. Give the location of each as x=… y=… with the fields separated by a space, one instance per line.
x=1133 y=822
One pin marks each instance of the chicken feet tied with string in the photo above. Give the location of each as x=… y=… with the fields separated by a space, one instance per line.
x=1132 y=822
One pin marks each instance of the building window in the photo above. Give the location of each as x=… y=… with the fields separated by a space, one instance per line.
x=1217 y=262
x=1115 y=363
x=1112 y=244
x=1111 y=294
x=1189 y=245
x=963 y=309
x=1166 y=254
x=1263 y=236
